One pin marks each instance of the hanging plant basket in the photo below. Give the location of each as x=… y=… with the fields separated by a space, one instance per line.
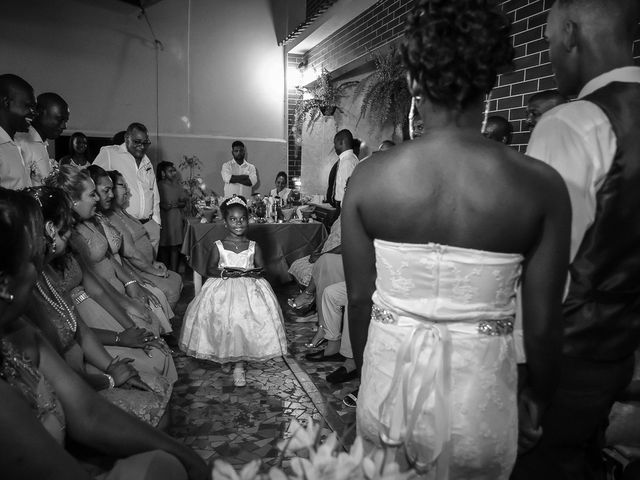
x=328 y=110
x=385 y=96
x=325 y=96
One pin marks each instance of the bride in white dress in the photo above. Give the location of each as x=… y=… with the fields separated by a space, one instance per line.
x=438 y=234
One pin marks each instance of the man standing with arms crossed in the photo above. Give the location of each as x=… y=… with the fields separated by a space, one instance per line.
x=239 y=176
x=594 y=143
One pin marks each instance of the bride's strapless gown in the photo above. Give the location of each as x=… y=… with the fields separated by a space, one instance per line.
x=439 y=375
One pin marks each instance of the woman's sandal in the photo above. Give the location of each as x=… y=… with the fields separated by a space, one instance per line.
x=302 y=308
x=318 y=343
x=351 y=400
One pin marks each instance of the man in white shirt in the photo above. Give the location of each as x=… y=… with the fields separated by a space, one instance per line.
x=594 y=143
x=347 y=161
x=52 y=115
x=239 y=176
x=17 y=108
x=131 y=161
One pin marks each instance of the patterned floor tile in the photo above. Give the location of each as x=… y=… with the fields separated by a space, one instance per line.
x=220 y=420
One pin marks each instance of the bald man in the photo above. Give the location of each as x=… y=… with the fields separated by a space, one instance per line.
x=542 y=102
x=131 y=160
x=594 y=143
x=17 y=108
x=498 y=129
x=52 y=115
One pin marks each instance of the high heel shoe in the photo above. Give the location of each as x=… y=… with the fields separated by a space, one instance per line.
x=301 y=309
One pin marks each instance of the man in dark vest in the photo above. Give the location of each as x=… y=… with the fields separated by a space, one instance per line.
x=594 y=142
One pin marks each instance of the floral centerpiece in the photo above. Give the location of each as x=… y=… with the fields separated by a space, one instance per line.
x=325 y=96
x=324 y=462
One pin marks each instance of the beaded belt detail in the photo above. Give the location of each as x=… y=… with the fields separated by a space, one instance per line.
x=80 y=297
x=485 y=327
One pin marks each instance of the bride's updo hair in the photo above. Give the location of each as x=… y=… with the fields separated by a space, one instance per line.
x=454 y=48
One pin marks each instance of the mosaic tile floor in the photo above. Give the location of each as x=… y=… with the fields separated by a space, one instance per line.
x=220 y=420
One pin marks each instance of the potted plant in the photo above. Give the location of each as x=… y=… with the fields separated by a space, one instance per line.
x=325 y=96
x=193 y=183
x=385 y=95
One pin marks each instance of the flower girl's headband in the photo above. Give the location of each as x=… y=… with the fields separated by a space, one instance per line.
x=236 y=199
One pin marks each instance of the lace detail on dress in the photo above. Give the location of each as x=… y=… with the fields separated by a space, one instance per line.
x=464 y=288
x=71 y=275
x=113 y=235
x=399 y=283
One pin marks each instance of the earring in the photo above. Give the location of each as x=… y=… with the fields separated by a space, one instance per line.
x=487 y=105
x=75 y=204
x=4 y=291
x=6 y=296
x=51 y=244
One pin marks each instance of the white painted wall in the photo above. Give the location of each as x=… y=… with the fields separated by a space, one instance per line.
x=221 y=73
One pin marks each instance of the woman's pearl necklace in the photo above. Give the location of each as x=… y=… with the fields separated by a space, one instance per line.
x=58 y=303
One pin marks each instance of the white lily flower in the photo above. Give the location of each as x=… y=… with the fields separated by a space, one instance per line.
x=250 y=470
x=223 y=471
x=277 y=474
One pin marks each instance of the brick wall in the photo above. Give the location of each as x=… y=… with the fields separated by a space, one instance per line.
x=293 y=149
x=378 y=25
x=381 y=23
x=384 y=22
x=532 y=71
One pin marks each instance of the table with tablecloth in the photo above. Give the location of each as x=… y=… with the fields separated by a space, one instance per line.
x=280 y=243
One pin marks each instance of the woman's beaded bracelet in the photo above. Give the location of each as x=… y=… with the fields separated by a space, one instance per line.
x=130 y=282
x=112 y=382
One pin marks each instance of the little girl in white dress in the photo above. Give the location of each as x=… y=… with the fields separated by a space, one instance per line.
x=236 y=316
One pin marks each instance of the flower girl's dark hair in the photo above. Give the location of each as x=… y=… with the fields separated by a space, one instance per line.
x=235 y=201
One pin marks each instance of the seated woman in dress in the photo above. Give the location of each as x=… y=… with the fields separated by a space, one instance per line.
x=80 y=157
x=43 y=401
x=136 y=246
x=93 y=249
x=433 y=260
x=281 y=191
x=54 y=312
x=115 y=237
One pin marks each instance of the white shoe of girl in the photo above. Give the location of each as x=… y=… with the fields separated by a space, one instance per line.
x=239 y=379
